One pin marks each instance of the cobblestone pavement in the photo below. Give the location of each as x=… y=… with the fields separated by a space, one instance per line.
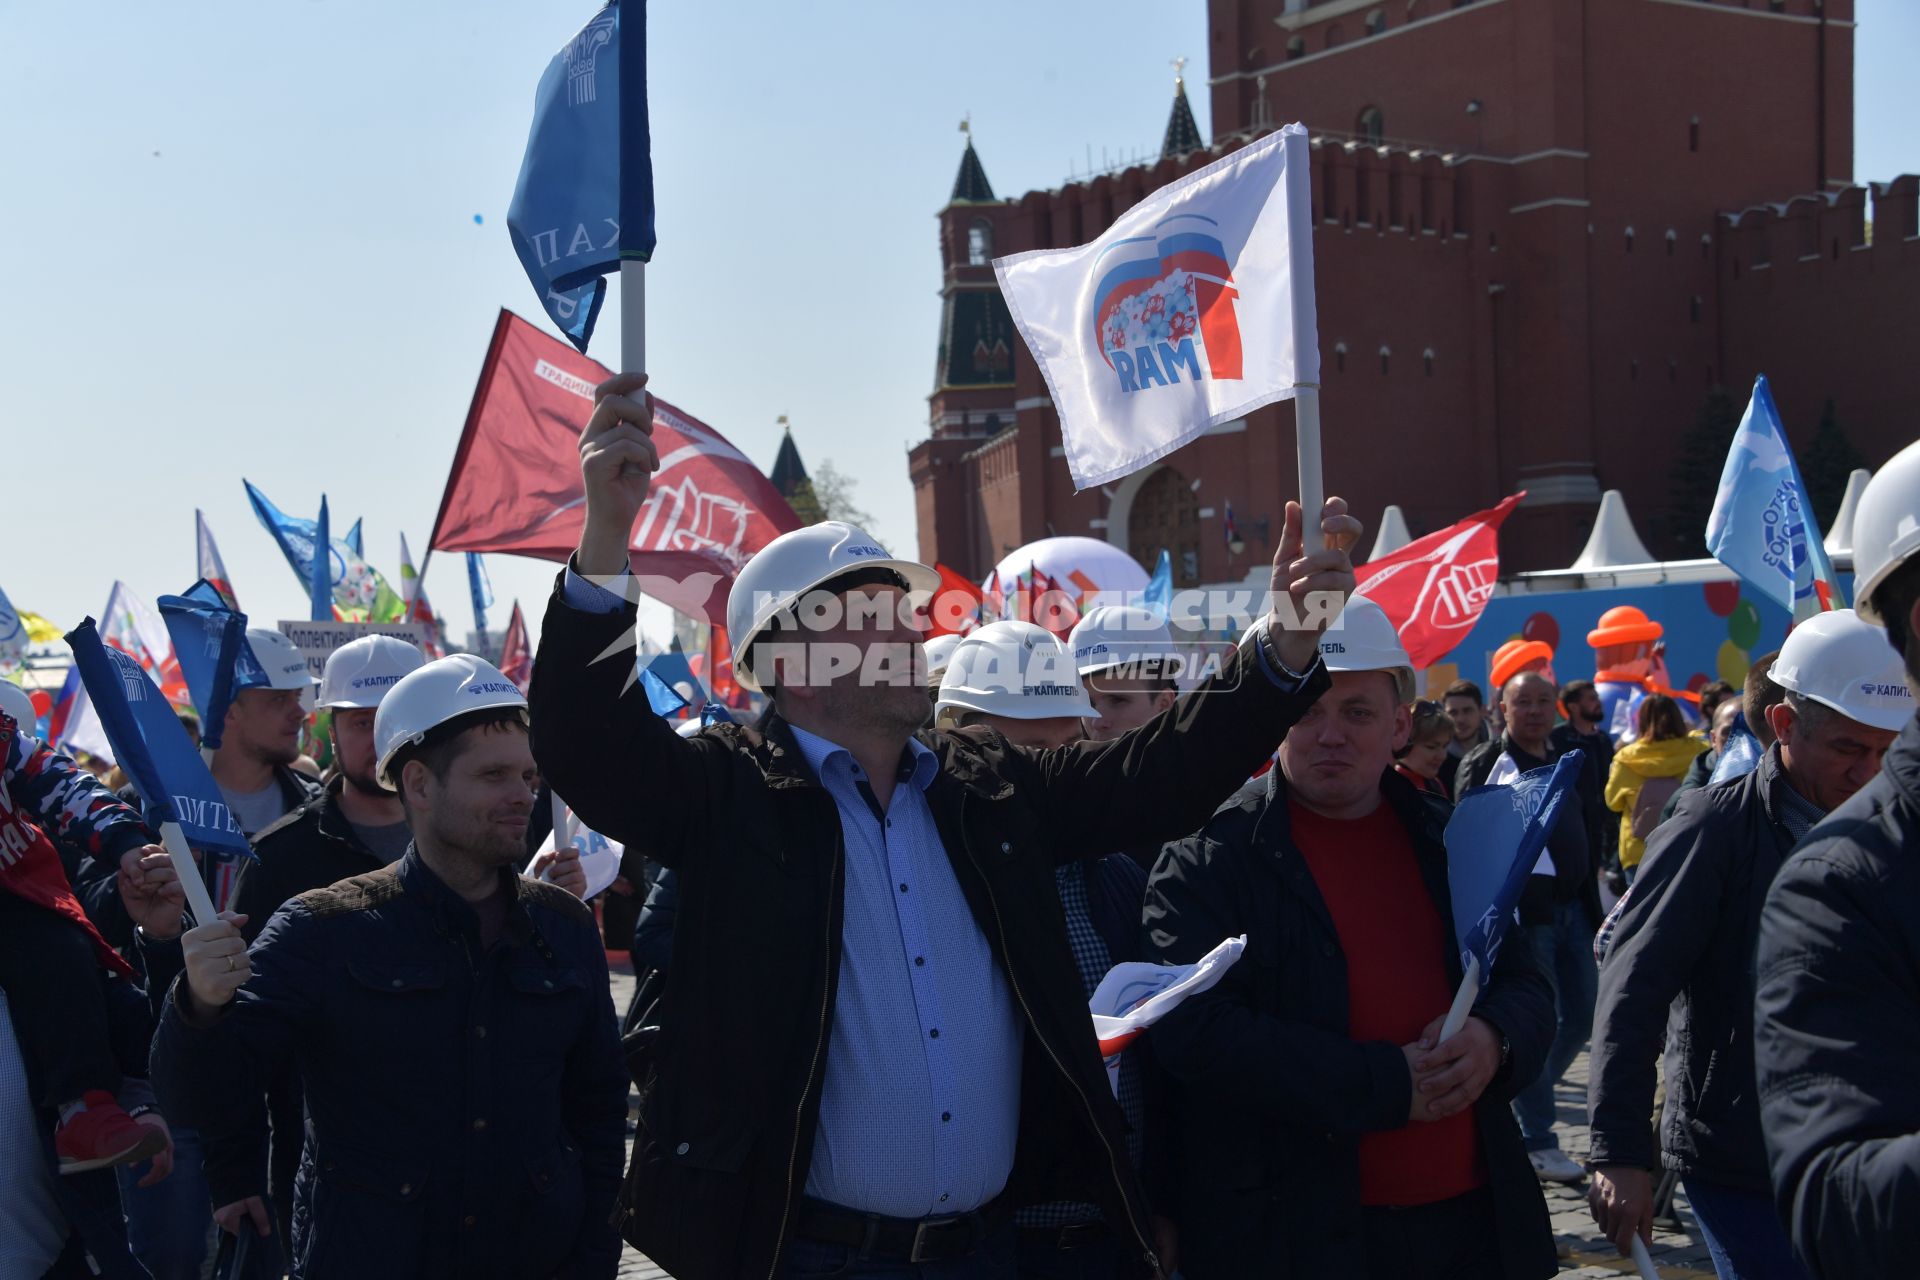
x=1679 y=1255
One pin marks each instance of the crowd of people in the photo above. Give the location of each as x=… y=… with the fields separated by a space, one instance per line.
x=873 y=918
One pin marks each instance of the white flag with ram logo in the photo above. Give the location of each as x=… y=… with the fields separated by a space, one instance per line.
x=1193 y=309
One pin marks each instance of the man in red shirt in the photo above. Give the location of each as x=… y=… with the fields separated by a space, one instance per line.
x=1319 y=1122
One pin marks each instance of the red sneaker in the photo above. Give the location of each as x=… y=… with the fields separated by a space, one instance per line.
x=104 y=1135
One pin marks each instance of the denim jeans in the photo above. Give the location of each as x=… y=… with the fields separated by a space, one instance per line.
x=816 y=1260
x=1564 y=952
x=170 y=1224
x=1743 y=1233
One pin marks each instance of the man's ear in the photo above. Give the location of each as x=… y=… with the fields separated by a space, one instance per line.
x=1402 y=726
x=1781 y=719
x=414 y=777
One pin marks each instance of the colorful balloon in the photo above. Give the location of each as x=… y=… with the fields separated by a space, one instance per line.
x=1732 y=663
x=1721 y=597
x=1543 y=627
x=1743 y=626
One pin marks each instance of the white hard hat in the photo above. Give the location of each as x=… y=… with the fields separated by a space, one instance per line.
x=794 y=564
x=285 y=665
x=1839 y=661
x=1886 y=527
x=360 y=672
x=940 y=653
x=1112 y=635
x=690 y=727
x=1363 y=638
x=432 y=695
x=16 y=702
x=1012 y=669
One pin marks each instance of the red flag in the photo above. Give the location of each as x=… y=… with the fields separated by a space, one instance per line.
x=1435 y=587
x=515 y=482
x=516 y=654
x=722 y=686
x=955 y=608
x=1054 y=607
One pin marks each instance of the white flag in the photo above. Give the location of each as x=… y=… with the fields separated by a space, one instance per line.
x=1193 y=309
x=1135 y=995
x=599 y=856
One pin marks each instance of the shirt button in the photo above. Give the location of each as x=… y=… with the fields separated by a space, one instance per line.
x=547 y=983
x=406 y=1188
x=945 y=1117
x=920 y=960
x=903 y=888
x=480 y=1033
x=1005 y=847
x=397 y=983
x=682 y=1149
x=469 y=1221
x=944 y=1197
x=934 y=1034
x=479 y=1123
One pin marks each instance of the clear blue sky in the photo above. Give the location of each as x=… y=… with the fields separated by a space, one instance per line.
x=240 y=241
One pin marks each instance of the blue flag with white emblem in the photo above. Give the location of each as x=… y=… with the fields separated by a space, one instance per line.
x=150 y=743
x=584 y=200
x=1159 y=593
x=1494 y=838
x=210 y=642
x=1762 y=525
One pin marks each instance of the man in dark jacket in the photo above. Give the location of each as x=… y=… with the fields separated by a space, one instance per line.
x=1680 y=956
x=449 y=1021
x=1321 y=1131
x=1558 y=914
x=919 y=1057
x=1837 y=1024
x=1580 y=702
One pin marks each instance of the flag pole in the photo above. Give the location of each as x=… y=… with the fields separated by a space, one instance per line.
x=199 y=901
x=1643 y=1260
x=1313 y=495
x=1462 y=1001
x=633 y=316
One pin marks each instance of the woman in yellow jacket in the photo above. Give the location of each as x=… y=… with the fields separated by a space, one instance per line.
x=1646 y=773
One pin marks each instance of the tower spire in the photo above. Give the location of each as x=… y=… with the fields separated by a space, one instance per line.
x=970 y=184
x=1183 y=135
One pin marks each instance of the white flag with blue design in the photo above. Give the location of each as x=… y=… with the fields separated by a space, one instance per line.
x=1193 y=309
x=1762 y=525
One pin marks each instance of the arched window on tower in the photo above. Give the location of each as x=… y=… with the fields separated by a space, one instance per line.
x=980 y=243
x=1376 y=21
x=1296 y=48
x=1426 y=361
x=1385 y=356
x=1339 y=357
x=1371 y=126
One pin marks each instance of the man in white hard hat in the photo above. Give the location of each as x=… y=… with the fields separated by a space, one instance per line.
x=918 y=1058
x=1322 y=1131
x=1020 y=681
x=1130 y=664
x=260 y=740
x=449 y=1021
x=1678 y=964
x=353 y=826
x=1837 y=1017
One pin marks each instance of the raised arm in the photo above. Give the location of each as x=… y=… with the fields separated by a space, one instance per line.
x=1162 y=780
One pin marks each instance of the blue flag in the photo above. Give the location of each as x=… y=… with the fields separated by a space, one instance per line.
x=584 y=199
x=482 y=591
x=1762 y=524
x=151 y=744
x=1493 y=840
x=716 y=713
x=353 y=539
x=1159 y=593
x=660 y=673
x=319 y=570
x=1740 y=756
x=210 y=641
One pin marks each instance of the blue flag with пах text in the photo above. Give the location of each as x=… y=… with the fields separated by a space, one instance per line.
x=584 y=198
x=150 y=743
x=210 y=642
x=1493 y=840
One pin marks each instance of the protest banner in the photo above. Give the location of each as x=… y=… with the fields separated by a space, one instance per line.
x=317 y=640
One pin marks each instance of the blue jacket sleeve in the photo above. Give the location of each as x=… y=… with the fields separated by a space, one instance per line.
x=200 y=1069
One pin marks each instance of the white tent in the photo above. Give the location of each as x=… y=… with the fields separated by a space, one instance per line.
x=1393 y=533
x=1613 y=541
x=1840 y=536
